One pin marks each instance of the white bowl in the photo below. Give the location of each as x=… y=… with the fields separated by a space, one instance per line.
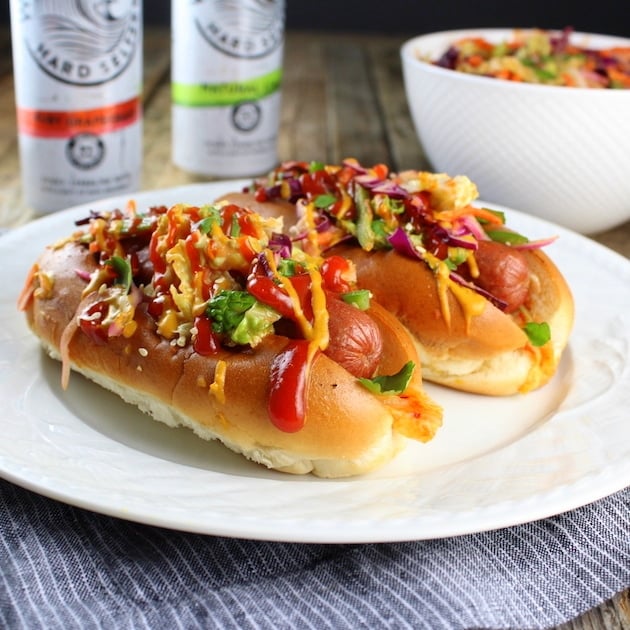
x=555 y=152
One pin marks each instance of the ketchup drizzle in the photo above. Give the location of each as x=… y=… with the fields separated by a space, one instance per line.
x=287 y=398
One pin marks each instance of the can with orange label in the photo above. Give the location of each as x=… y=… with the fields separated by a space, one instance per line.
x=78 y=81
x=226 y=79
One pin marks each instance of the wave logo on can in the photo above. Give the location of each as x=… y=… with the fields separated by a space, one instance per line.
x=246 y=29
x=82 y=42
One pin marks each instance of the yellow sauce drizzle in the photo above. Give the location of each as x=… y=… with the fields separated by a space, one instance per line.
x=309 y=220
x=320 y=336
x=543 y=367
x=471 y=303
x=217 y=388
x=472 y=265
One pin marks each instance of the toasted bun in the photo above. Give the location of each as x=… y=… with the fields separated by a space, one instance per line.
x=348 y=430
x=486 y=354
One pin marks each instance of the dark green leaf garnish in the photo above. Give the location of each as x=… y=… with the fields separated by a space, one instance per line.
x=390 y=385
x=324 y=201
x=538 y=333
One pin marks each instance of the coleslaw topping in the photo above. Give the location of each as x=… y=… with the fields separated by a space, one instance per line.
x=431 y=217
x=542 y=57
x=214 y=279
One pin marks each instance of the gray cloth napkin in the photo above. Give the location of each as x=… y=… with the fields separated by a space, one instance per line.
x=63 y=567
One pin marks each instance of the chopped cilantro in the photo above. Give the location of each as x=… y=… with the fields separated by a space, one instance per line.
x=211 y=215
x=538 y=333
x=235 y=227
x=324 y=201
x=379 y=229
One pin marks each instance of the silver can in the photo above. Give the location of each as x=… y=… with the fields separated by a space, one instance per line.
x=226 y=85
x=78 y=81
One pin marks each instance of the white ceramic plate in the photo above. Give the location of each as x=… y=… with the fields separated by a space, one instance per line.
x=495 y=463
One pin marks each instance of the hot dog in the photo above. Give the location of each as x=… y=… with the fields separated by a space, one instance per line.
x=489 y=311
x=207 y=317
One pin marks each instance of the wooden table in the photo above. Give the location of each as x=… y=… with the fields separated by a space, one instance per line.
x=342 y=97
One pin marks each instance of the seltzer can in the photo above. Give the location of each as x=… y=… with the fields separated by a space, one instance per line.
x=226 y=85
x=78 y=83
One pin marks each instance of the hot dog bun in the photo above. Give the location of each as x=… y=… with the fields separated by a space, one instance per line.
x=486 y=354
x=224 y=395
x=469 y=331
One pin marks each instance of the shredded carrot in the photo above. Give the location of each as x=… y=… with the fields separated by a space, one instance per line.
x=380 y=171
x=616 y=51
x=508 y=75
x=620 y=77
x=572 y=49
x=478 y=42
x=29 y=287
x=475 y=60
x=480 y=213
x=64 y=348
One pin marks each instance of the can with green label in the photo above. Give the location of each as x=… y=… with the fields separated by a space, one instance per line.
x=226 y=80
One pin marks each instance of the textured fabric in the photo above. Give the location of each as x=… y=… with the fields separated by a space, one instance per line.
x=63 y=567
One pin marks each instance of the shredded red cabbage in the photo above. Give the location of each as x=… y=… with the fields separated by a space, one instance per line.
x=93 y=215
x=83 y=274
x=559 y=43
x=264 y=265
x=354 y=165
x=452 y=239
x=381 y=186
x=448 y=59
x=543 y=242
x=400 y=241
x=500 y=304
x=455 y=241
x=391 y=189
x=280 y=244
x=469 y=223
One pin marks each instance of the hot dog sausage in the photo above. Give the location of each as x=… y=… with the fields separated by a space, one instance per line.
x=503 y=272
x=355 y=339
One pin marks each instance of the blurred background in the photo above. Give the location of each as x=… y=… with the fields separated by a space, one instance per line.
x=415 y=16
